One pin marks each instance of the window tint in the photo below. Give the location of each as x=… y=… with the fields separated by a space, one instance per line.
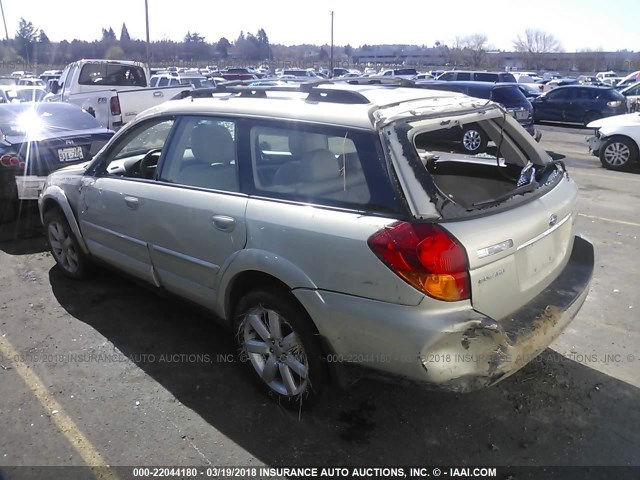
x=202 y=154
x=507 y=77
x=322 y=165
x=406 y=71
x=558 y=95
x=508 y=96
x=463 y=76
x=446 y=76
x=142 y=145
x=485 y=77
x=112 y=74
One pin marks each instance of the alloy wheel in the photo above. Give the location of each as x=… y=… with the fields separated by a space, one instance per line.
x=275 y=351
x=617 y=154
x=63 y=247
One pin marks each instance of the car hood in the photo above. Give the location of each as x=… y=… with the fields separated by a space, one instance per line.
x=627 y=120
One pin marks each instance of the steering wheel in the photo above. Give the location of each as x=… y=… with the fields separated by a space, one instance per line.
x=147 y=165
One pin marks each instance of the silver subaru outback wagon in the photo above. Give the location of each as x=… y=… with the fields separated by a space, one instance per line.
x=336 y=231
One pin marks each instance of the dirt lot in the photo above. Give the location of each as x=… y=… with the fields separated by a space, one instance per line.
x=111 y=373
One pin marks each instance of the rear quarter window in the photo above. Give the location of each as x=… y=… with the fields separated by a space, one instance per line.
x=485 y=77
x=328 y=166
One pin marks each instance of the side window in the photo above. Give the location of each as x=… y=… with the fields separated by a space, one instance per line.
x=137 y=153
x=558 y=95
x=446 y=76
x=485 y=77
x=154 y=81
x=321 y=165
x=463 y=76
x=164 y=81
x=202 y=154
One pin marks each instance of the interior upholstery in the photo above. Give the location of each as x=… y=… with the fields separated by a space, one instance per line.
x=213 y=166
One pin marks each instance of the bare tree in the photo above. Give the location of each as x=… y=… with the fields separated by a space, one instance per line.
x=475 y=49
x=535 y=44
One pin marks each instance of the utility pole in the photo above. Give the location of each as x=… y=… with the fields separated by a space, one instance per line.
x=146 y=16
x=331 y=58
x=4 y=20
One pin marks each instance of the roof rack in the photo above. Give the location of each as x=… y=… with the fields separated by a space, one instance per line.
x=243 y=88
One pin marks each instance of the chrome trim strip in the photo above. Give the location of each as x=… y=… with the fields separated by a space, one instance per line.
x=545 y=233
x=494 y=249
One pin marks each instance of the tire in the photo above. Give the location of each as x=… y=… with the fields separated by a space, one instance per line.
x=591 y=117
x=618 y=153
x=64 y=246
x=473 y=139
x=279 y=344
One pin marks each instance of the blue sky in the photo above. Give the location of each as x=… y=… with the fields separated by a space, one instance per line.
x=577 y=24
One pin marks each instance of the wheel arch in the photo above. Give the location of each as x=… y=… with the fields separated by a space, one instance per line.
x=55 y=197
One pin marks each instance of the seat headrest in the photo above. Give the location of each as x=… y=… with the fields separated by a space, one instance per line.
x=302 y=142
x=211 y=143
x=319 y=165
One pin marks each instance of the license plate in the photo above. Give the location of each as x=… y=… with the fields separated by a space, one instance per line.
x=70 y=154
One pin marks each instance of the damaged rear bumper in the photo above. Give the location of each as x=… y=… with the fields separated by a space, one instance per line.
x=457 y=350
x=493 y=350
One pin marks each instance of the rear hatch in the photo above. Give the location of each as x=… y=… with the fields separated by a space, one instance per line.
x=510 y=207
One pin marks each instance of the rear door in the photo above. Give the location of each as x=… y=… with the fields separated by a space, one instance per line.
x=194 y=212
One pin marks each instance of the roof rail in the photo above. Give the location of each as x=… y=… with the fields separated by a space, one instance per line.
x=313 y=89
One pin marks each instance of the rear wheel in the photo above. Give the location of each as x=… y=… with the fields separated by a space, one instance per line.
x=473 y=139
x=64 y=246
x=618 y=153
x=279 y=344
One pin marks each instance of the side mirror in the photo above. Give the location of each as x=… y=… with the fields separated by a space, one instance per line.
x=55 y=87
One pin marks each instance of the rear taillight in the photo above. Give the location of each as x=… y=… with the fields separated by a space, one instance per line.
x=614 y=103
x=114 y=104
x=426 y=257
x=10 y=160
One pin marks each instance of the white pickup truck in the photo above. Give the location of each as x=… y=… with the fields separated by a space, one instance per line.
x=113 y=91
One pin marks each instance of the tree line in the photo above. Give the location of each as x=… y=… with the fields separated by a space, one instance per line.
x=32 y=46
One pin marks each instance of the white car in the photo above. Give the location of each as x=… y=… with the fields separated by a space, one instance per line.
x=616 y=140
x=632 y=93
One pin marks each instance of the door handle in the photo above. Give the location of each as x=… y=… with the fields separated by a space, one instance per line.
x=224 y=223
x=132 y=202
x=158 y=94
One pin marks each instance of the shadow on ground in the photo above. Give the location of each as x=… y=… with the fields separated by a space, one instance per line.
x=553 y=412
x=24 y=235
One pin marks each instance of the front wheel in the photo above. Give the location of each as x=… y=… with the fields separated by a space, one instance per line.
x=618 y=153
x=64 y=246
x=473 y=139
x=279 y=344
